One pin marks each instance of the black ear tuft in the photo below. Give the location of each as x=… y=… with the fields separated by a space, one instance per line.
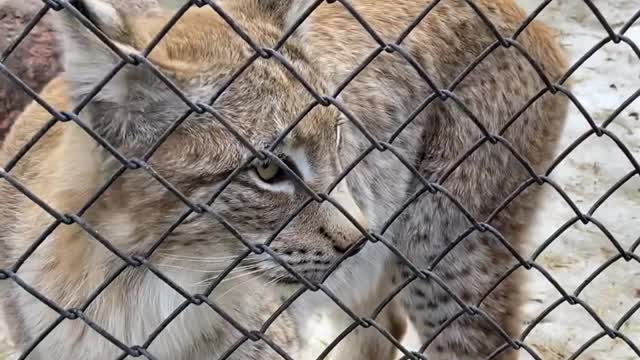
x=80 y=6
x=82 y=9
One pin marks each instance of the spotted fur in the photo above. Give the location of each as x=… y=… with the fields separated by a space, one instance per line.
x=200 y=54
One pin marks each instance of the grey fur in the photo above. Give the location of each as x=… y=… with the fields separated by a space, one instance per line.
x=134 y=109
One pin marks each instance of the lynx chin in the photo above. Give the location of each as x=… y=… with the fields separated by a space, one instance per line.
x=67 y=167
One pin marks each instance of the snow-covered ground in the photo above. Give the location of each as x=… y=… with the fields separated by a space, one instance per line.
x=602 y=84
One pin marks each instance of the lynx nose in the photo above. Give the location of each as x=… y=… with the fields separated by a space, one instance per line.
x=343 y=232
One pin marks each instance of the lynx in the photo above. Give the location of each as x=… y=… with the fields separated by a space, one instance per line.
x=367 y=125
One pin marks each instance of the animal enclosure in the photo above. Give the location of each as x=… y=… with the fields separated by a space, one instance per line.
x=582 y=260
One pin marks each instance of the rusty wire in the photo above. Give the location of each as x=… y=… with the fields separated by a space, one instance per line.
x=444 y=94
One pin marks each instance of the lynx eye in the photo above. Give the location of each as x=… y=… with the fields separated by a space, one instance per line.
x=269 y=171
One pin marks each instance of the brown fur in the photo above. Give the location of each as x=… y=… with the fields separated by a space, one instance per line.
x=493 y=92
x=66 y=167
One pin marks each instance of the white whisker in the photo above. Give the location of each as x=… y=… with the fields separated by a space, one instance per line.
x=230 y=276
x=240 y=267
x=201 y=258
x=244 y=282
x=275 y=280
x=205 y=261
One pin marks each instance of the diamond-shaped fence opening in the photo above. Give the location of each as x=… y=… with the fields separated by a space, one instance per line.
x=580 y=263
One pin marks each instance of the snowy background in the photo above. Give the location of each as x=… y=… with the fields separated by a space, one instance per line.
x=602 y=84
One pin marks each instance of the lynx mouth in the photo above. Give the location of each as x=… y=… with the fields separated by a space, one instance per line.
x=313 y=270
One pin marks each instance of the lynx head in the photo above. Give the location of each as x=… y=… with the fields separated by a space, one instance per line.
x=207 y=60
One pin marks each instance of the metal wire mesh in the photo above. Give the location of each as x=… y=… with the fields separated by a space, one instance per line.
x=382 y=145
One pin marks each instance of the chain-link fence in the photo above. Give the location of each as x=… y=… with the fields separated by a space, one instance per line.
x=531 y=264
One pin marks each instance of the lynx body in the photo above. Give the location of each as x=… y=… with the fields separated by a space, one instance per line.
x=66 y=167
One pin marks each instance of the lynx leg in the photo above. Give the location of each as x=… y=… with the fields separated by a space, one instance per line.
x=464 y=336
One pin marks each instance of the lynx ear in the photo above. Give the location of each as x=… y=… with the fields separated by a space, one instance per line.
x=108 y=15
x=120 y=111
